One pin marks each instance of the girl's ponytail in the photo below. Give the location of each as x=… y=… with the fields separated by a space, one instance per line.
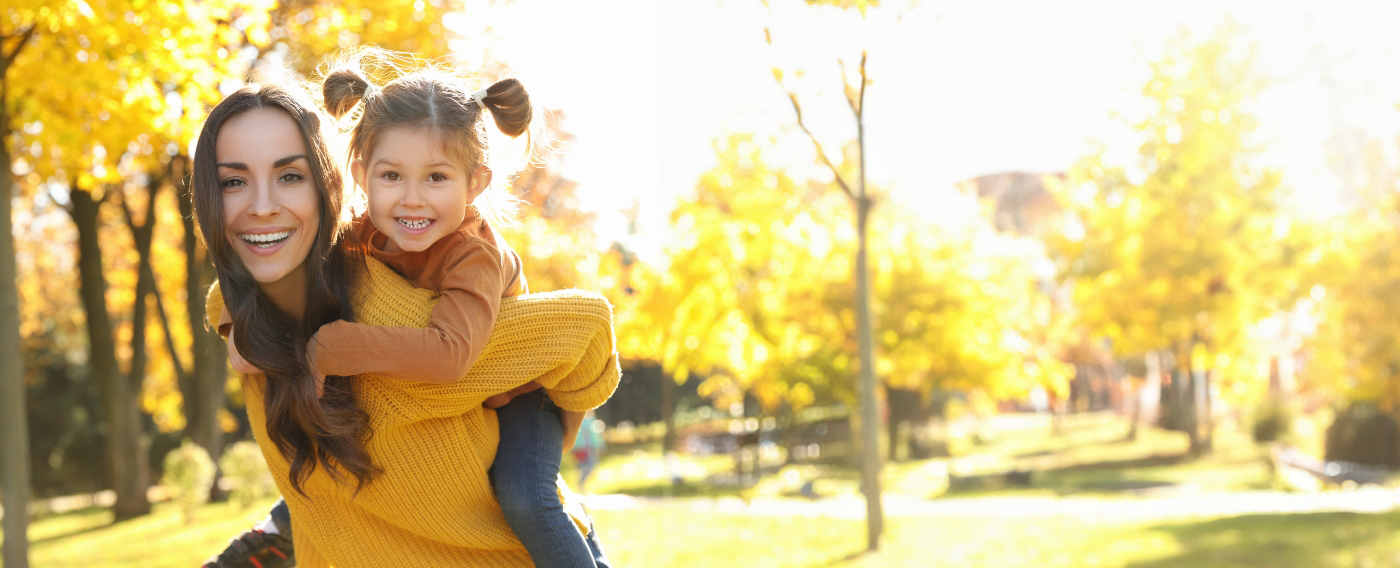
x=510 y=106
x=342 y=89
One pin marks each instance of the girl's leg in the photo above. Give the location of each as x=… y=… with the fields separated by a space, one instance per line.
x=524 y=474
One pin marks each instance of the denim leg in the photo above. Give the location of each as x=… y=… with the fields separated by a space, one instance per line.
x=282 y=517
x=524 y=474
x=597 y=548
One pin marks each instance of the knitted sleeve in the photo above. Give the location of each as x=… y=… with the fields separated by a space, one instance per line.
x=562 y=339
x=213 y=306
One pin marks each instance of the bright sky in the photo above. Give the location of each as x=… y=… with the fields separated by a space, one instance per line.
x=960 y=89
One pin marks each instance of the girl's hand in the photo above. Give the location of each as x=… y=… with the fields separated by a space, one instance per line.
x=320 y=382
x=239 y=363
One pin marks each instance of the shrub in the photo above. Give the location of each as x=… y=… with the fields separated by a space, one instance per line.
x=1271 y=421
x=1364 y=434
x=189 y=473
x=243 y=465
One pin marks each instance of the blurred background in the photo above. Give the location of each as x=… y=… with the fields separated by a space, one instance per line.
x=1132 y=269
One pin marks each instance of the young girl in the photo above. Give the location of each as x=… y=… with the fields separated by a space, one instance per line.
x=419 y=149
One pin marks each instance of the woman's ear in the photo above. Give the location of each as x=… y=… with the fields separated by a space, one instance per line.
x=357 y=171
x=481 y=179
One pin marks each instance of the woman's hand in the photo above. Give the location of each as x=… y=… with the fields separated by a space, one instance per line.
x=239 y=363
x=572 y=421
x=497 y=401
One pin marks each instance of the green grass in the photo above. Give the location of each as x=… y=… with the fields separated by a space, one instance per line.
x=87 y=538
x=681 y=538
x=675 y=536
x=1089 y=455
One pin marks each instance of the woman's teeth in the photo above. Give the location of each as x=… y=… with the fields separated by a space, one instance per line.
x=265 y=240
x=415 y=224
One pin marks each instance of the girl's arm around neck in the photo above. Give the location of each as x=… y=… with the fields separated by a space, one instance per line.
x=443 y=352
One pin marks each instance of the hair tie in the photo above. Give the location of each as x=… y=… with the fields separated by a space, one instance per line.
x=480 y=97
x=370 y=92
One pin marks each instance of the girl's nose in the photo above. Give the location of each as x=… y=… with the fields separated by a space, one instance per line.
x=412 y=195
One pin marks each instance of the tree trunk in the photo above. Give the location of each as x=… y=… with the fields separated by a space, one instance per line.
x=668 y=417
x=126 y=455
x=1187 y=387
x=14 y=433
x=869 y=414
x=203 y=390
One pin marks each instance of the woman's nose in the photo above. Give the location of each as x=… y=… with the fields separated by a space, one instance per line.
x=264 y=205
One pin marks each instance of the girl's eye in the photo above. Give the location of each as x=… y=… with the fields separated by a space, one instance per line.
x=437 y=177
x=291 y=177
x=391 y=176
x=231 y=183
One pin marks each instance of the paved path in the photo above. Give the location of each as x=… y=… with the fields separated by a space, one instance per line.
x=1117 y=509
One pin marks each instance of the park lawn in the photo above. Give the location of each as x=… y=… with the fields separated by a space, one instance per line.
x=676 y=536
x=86 y=538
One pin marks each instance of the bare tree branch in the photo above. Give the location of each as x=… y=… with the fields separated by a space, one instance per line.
x=821 y=152
x=860 y=105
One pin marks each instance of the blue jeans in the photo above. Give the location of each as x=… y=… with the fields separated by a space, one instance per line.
x=524 y=474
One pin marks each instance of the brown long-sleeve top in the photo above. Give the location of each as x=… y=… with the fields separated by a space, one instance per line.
x=472 y=269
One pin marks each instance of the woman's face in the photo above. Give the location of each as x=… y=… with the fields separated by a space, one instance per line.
x=271 y=206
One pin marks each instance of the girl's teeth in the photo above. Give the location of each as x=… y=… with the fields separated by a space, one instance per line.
x=419 y=224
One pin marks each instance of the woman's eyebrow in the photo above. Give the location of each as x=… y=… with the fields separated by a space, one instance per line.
x=289 y=159
x=279 y=163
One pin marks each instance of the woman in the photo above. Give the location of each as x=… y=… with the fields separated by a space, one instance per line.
x=376 y=470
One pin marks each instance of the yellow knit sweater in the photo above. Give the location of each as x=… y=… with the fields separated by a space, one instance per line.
x=433 y=505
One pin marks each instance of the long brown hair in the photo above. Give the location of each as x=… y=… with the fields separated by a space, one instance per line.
x=435 y=99
x=330 y=430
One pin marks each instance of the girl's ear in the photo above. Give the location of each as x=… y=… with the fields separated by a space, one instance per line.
x=481 y=179
x=357 y=171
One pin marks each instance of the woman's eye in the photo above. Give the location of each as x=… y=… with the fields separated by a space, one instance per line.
x=437 y=177
x=231 y=183
x=291 y=177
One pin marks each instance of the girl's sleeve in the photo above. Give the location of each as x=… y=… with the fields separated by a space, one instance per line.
x=441 y=352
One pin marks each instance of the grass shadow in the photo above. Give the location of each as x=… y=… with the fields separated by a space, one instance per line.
x=667 y=489
x=1311 y=540
x=848 y=558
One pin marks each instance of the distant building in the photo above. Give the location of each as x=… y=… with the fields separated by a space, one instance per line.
x=1021 y=203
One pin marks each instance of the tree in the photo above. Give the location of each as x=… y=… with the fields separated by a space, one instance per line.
x=1356 y=350
x=1181 y=251
x=103 y=92
x=862 y=203
x=14 y=435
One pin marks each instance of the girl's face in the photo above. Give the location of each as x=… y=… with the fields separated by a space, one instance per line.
x=271 y=206
x=417 y=194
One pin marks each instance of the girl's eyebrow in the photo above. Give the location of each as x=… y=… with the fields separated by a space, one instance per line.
x=396 y=164
x=279 y=163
